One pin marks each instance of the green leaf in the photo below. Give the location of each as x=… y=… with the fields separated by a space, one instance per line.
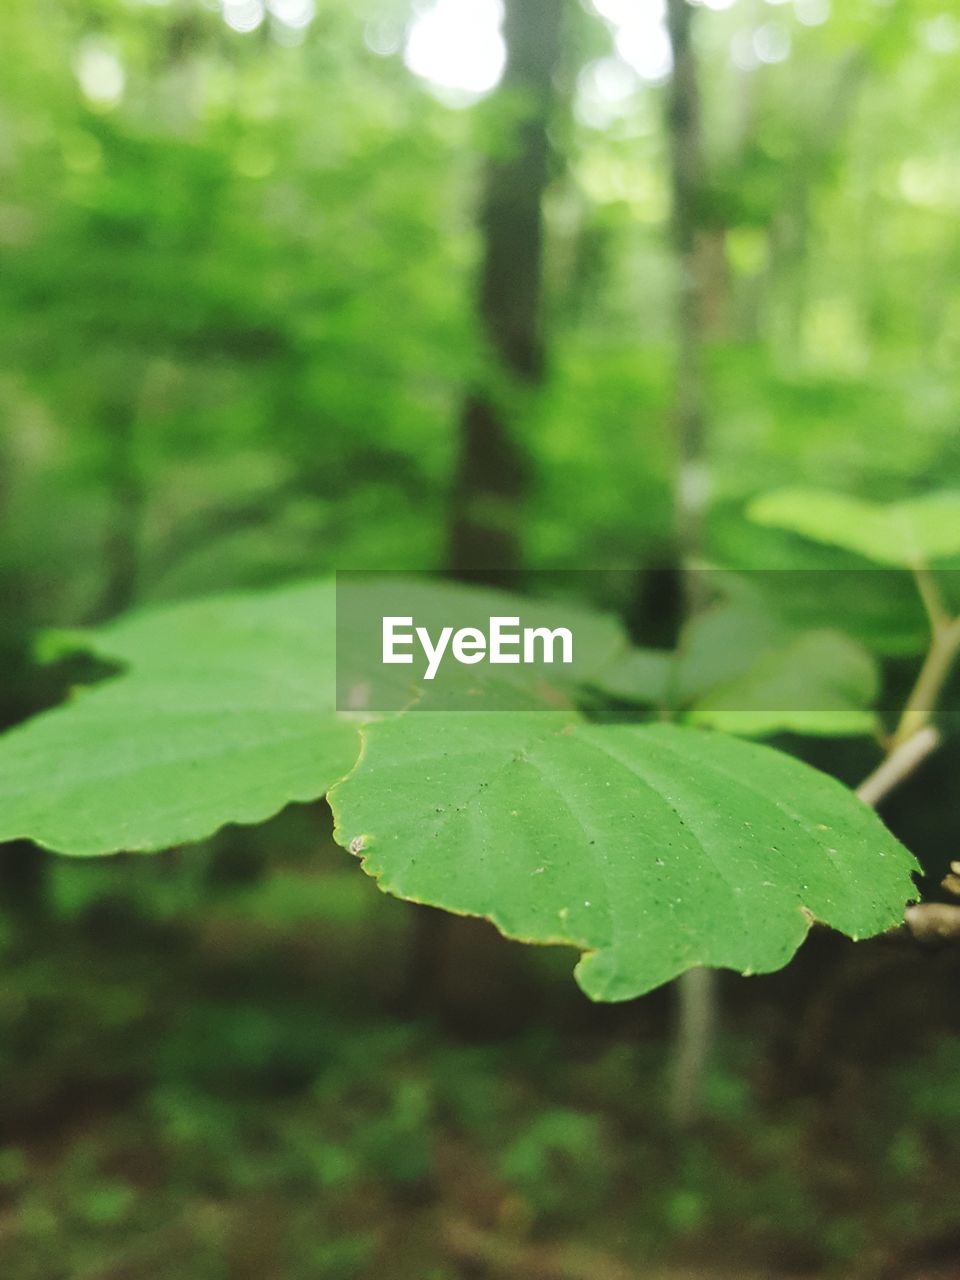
x=225 y=714
x=740 y=669
x=722 y=645
x=717 y=646
x=817 y=683
x=901 y=534
x=642 y=676
x=653 y=849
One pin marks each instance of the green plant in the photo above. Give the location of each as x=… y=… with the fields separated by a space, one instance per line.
x=650 y=847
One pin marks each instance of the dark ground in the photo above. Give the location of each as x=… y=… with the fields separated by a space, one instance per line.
x=211 y=1069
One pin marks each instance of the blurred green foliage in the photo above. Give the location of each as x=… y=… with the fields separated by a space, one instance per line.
x=235 y=306
x=236 y=321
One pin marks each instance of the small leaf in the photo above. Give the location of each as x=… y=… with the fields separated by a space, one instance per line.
x=723 y=644
x=225 y=714
x=817 y=683
x=653 y=848
x=638 y=675
x=740 y=669
x=901 y=534
x=717 y=646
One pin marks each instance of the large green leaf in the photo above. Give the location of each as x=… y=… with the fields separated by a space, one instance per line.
x=653 y=849
x=901 y=534
x=224 y=714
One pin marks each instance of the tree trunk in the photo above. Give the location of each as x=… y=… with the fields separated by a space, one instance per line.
x=697 y=988
x=685 y=135
x=492 y=472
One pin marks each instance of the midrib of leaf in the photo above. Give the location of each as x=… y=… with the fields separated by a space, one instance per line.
x=660 y=796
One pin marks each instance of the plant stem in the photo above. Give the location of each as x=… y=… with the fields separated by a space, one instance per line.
x=915 y=737
x=944 y=646
x=913 y=740
x=696 y=1024
x=898 y=764
x=930 y=595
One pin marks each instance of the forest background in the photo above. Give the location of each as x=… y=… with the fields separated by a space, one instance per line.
x=302 y=286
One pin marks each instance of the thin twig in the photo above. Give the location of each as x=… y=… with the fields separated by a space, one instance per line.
x=898 y=765
x=933 y=675
x=912 y=741
x=933 y=605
